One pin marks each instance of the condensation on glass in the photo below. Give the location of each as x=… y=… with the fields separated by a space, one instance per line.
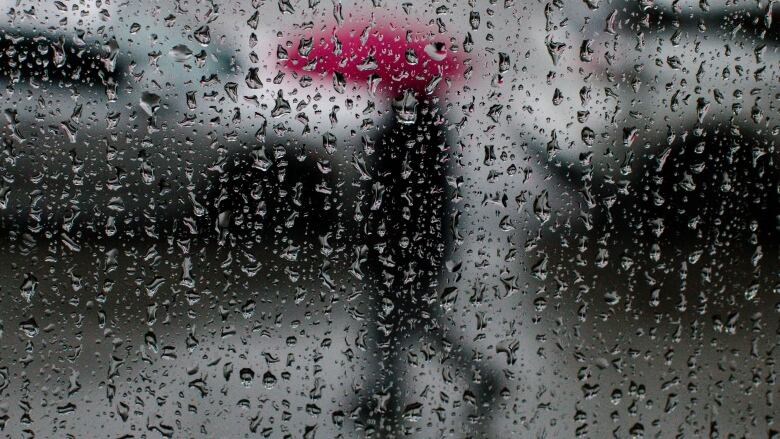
x=389 y=219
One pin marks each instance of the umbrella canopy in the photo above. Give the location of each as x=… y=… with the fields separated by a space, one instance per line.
x=381 y=56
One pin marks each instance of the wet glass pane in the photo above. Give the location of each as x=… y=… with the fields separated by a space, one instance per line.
x=389 y=219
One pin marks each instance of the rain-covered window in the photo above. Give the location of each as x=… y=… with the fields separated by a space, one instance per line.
x=389 y=219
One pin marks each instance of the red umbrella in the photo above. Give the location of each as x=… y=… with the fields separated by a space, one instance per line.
x=385 y=58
